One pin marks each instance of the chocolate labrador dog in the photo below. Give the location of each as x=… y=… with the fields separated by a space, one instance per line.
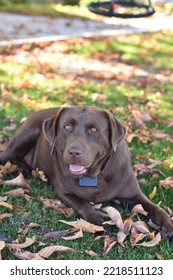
x=83 y=153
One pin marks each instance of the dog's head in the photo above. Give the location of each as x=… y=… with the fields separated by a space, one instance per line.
x=84 y=138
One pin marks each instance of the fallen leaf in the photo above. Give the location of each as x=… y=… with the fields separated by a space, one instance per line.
x=153 y=193
x=135 y=236
x=7 y=168
x=159 y=134
x=3 y=198
x=153 y=242
x=25 y=230
x=91 y=253
x=127 y=226
x=108 y=244
x=77 y=235
x=56 y=234
x=141 y=168
x=49 y=250
x=18 y=193
x=58 y=206
x=115 y=216
x=18 y=181
x=83 y=225
x=7 y=205
x=39 y=174
x=24 y=254
x=138 y=209
x=159 y=256
x=27 y=243
x=141 y=227
x=167 y=183
x=2 y=246
x=5 y=216
x=121 y=236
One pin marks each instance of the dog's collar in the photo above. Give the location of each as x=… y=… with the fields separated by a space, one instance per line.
x=88 y=181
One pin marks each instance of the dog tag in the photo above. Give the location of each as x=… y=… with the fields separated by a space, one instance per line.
x=88 y=182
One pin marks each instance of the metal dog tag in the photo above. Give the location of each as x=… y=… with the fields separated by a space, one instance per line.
x=88 y=182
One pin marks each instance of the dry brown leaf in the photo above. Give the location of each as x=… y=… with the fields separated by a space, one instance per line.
x=91 y=253
x=7 y=168
x=115 y=216
x=39 y=174
x=138 y=209
x=127 y=226
x=2 y=246
x=58 y=206
x=25 y=230
x=56 y=234
x=5 y=216
x=77 y=235
x=159 y=257
x=27 y=243
x=83 y=225
x=24 y=254
x=141 y=227
x=3 y=198
x=49 y=250
x=151 y=243
x=121 y=236
x=18 y=181
x=167 y=183
x=140 y=169
x=108 y=244
x=7 y=205
x=136 y=236
x=18 y=193
x=18 y=208
x=153 y=193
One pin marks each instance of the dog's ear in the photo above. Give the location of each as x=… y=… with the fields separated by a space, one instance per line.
x=118 y=130
x=50 y=129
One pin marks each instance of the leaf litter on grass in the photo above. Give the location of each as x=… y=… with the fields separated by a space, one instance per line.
x=127 y=227
x=141 y=111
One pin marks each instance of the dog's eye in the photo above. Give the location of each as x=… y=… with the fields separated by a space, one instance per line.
x=68 y=127
x=92 y=129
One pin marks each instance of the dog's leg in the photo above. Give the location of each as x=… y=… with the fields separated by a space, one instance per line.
x=156 y=214
x=84 y=208
x=24 y=140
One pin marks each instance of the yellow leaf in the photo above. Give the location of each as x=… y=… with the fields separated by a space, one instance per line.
x=152 y=194
x=7 y=205
x=5 y=216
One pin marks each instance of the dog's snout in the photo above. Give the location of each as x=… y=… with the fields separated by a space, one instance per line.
x=74 y=152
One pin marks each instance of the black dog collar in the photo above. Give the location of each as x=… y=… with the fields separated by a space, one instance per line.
x=88 y=182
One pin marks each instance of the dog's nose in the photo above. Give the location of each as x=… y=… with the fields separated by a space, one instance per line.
x=75 y=152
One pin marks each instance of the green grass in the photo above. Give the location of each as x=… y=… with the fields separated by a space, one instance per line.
x=31 y=84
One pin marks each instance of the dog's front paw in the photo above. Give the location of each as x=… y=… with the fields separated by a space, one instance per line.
x=167 y=231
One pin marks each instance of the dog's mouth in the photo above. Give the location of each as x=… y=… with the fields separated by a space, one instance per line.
x=77 y=170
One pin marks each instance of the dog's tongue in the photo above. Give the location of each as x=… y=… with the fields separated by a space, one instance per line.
x=75 y=168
